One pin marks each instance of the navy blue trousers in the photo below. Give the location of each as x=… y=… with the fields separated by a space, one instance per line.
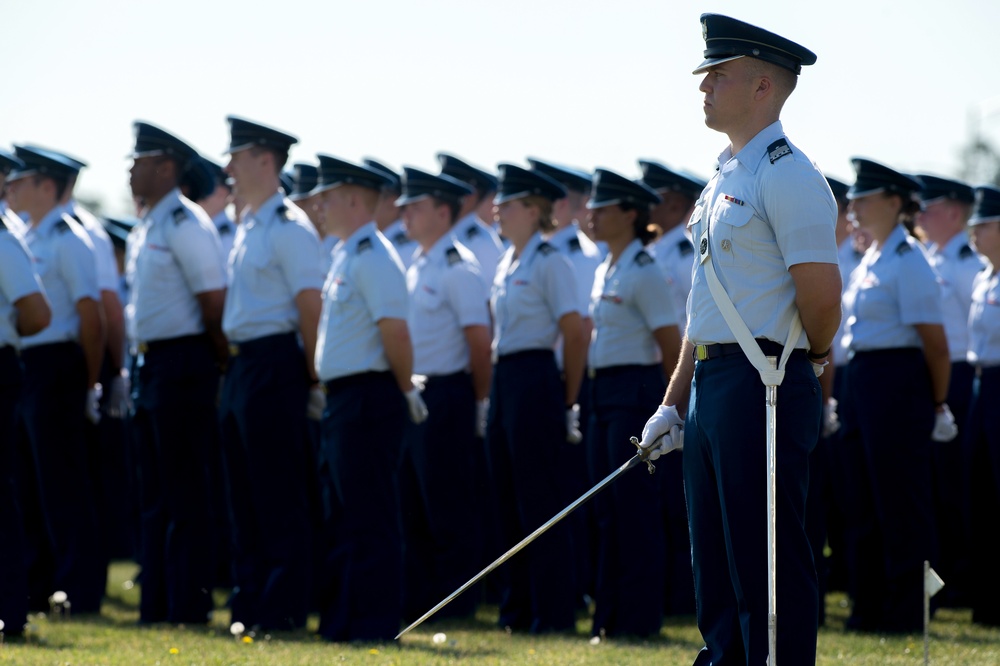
x=437 y=500
x=13 y=575
x=983 y=435
x=629 y=594
x=725 y=476
x=55 y=390
x=526 y=431
x=362 y=434
x=266 y=460
x=176 y=430
x=888 y=415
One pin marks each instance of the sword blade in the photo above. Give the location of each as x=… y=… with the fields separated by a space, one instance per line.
x=632 y=462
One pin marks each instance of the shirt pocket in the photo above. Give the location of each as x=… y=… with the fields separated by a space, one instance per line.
x=733 y=242
x=427 y=299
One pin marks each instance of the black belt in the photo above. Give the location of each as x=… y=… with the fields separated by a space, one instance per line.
x=10 y=350
x=527 y=353
x=166 y=343
x=615 y=370
x=987 y=370
x=708 y=352
x=257 y=344
x=341 y=383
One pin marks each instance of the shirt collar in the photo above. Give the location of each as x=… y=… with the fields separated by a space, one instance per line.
x=49 y=220
x=568 y=230
x=362 y=232
x=168 y=202
x=266 y=210
x=752 y=153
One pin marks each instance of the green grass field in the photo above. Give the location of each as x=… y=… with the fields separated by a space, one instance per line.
x=114 y=639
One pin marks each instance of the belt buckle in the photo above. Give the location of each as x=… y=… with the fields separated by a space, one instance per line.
x=143 y=348
x=234 y=349
x=701 y=352
x=591 y=373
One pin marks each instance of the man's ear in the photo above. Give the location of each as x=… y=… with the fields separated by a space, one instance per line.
x=764 y=87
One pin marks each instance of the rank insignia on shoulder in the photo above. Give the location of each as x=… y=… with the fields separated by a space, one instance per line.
x=685 y=247
x=545 y=249
x=179 y=215
x=778 y=149
x=903 y=248
x=966 y=252
x=225 y=229
x=643 y=258
x=453 y=256
x=285 y=213
x=399 y=238
x=62 y=226
x=472 y=232
x=364 y=244
x=574 y=244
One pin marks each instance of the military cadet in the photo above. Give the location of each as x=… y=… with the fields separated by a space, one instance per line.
x=387 y=214
x=62 y=365
x=214 y=195
x=24 y=310
x=306 y=177
x=894 y=402
x=177 y=283
x=764 y=231
x=14 y=223
x=270 y=319
x=471 y=230
x=983 y=429
x=365 y=359
x=533 y=300
x=632 y=352
x=673 y=250
x=449 y=321
x=945 y=208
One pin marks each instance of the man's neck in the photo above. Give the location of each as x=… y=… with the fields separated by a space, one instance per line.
x=739 y=138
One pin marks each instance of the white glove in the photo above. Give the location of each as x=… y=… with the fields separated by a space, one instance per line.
x=945 y=428
x=573 y=434
x=663 y=432
x=818 y=368
x=316 y=404
x=482 y=410
x=418 y=410
x=831 y=422
x=92 y=408
x=119 y=401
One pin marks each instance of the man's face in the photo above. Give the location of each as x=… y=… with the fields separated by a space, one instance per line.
x=729 y=94
x=142 y=174
x=246 y=167
x=332 y=206
x=939 y=219
x=422 y=219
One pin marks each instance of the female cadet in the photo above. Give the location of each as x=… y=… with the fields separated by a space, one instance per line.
x=632 y=352
x=983 y=426
x=533 y=300
x=896 y=380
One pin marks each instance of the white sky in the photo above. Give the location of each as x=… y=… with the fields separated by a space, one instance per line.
x=583 y=82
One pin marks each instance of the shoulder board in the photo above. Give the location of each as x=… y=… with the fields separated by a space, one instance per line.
x=453 y=256
x=225 y=229
x=3 y=224
x=903 y=248
x=364 y=245
x=778 y=149
x=399 y=238
x=574 y=244
x=966 y=252
x=179 y=215
x=62 y=226
x=284 y=213
x=76 y=218
x=643 y=258
x=545 y=249
x=685 y=247
x=472 y=232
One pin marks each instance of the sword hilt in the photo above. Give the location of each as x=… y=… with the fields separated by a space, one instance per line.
x=643 y=453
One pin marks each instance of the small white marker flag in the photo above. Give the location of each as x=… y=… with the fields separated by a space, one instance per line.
x=932 y=582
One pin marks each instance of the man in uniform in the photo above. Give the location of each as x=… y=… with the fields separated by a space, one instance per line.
x=62 y=365
x=387 y=215
x=214 y=196
x=270 y=318
x=178 y=286
x=450 y=323
x=470 y=230
x=14 y=223
x=365 y=359
x=765 y=225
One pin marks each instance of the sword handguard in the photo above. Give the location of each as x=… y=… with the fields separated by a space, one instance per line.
x=644 y=453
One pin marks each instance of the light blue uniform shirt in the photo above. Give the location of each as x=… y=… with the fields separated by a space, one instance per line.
x=892 y=289
x=14 y=221
x=366 y=284
x=276 y=255
x=849 y=260
x=530 y=294
x=984 y=320
x=64 y=260
x=628 y=303
x=17 y=280
x=104 y=251
x=957 y=265
x=768 y=208
x=326 y=248
x=173 y=254
x=483 y=240
x=583 y=256
x=406 y=249
x=674 y=254
x=447 y=294
x=226 y=229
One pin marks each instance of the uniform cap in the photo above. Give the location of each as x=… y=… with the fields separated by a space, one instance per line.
x=42 y=162
x=118 y=229
x=612 y=189
x=305 y=178
x=245 y=133
x=480 y=179
x=937 y=188
x=572 y=179
x=80 y=164
x=987 y=206
x=418 y=184
x=656 y=176
x=873 y=177
x=8 y=161
x=151 y=140
x=334 y=172
x=517 y=182
x=838 y=187
x=396 y=185
x=728 y=39
x=287 y=181
x=201 y=177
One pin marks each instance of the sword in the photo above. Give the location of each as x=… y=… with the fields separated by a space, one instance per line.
x=640 y=457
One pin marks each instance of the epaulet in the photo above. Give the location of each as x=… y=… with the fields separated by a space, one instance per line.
x=400 y=238
x=966 y=252
x=3 y=224
x=574 y=244
x=685 y=246
x=76 y=218
x=364 y=245
x=472 y=232
x=778 y=149
x=285 y=213
x=643 y=258
x=453 y=256
x=903 y=248
x=62 y=226
x=546 y=249
x=225 y=229
x=179 y=215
